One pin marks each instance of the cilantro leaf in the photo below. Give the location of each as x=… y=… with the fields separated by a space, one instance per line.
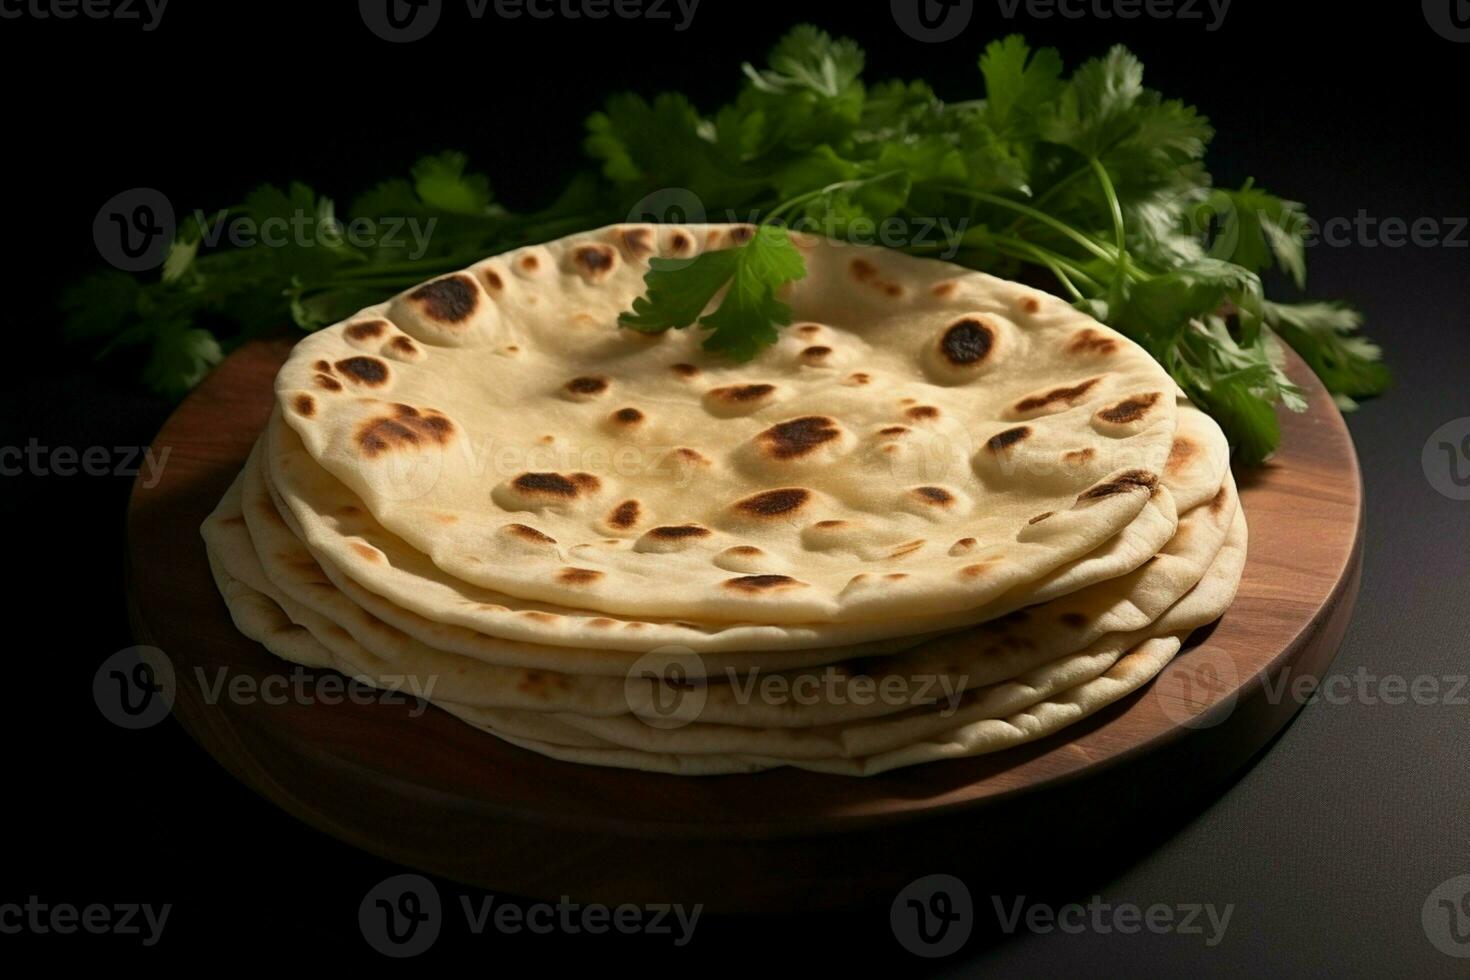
x=1019 y=85
x=1248 y=420
x=441 y=182
x=645 y=146
x=1258 y=227
x=808 y=58
x=745 y=322
x=391 y=197
x=679 y=291
x=1325 y=335
x=180 y=359
x=1096 y=110
x=1156 y=312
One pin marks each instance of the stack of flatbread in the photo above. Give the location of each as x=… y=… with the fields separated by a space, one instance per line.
x=941 y=515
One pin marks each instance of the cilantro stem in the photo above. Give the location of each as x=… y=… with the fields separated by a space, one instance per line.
x=1031 y=252
x=1076 y=174
x=1067 y=272
x=1063 y=269
x=1061 y=276
x=1120 y=234
x=1082 y=239
x=1047 y=195
x=824 y=191
x=1115 y=208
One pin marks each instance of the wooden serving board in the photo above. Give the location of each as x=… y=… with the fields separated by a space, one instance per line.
x=438 y=795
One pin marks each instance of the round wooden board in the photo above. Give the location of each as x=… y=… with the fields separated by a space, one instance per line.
x=436 y=794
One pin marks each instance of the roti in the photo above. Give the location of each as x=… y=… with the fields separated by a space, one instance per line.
x=924 y=439
x=381 y=573
x=255 y=547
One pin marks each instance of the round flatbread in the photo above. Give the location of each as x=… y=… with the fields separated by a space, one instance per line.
x=869 y=737
x=923 y=440
x=254 y=545
x=397 y=584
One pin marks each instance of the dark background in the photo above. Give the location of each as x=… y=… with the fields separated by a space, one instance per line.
x=1327 y=846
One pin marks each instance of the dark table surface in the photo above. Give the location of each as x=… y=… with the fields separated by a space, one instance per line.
x=1327 y=853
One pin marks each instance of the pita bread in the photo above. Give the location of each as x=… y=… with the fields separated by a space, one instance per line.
x=998 y=649
x=993 y=718
x=1204 y=604
x=960 y=511
x=247 y=536
x=395 y=583
x=923 y=441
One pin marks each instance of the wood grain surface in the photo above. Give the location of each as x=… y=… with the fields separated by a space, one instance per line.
x=436 y=794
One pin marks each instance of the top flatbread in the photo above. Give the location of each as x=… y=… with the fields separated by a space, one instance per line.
x=921 y=441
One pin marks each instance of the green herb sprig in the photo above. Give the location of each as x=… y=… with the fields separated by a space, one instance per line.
x=1091 y=182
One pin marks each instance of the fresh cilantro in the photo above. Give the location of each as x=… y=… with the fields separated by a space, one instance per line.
x=810 y=59
x=442 y=183
x=1020 y=84
x=679 y=290
x=1089 y=179
x=747 y=317
x=1260 y=229
x=1326 y=336
x=180 y=358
